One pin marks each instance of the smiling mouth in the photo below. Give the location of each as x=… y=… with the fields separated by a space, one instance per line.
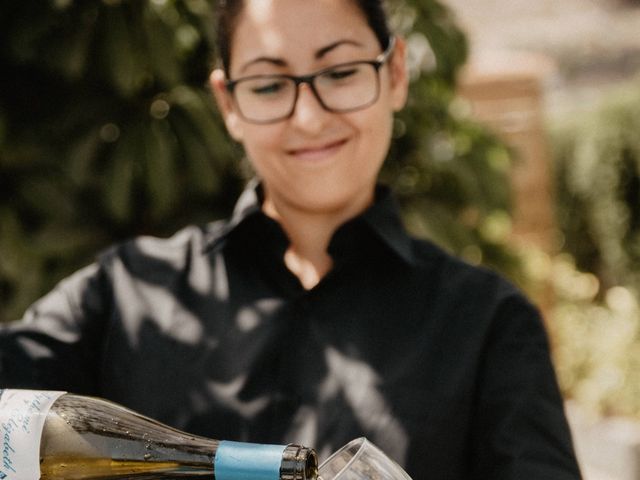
x=317 y=152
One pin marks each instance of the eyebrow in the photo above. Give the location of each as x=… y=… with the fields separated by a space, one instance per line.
x=332 y=46
x=279 y=62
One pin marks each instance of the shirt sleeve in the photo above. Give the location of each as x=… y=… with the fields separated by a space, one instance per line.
x=520 y=429
x=56 y=345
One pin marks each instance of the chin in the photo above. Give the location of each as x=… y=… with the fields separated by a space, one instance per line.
x=334 y=200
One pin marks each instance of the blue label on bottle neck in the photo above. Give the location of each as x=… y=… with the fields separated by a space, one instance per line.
x=247 y=461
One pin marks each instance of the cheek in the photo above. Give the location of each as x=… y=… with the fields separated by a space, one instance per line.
x=261 y=142
x=377 y=133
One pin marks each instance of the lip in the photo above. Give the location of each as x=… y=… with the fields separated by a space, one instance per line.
x=317 y=152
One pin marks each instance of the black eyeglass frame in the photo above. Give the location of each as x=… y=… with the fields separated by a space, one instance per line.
x=376 y=63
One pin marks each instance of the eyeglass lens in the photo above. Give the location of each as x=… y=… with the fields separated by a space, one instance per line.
x=342 y=88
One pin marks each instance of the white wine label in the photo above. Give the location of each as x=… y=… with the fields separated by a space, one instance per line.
x=22 y=417
x=247 y=461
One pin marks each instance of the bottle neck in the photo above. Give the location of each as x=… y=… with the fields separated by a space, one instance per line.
x=298 y=463
x=241 y=461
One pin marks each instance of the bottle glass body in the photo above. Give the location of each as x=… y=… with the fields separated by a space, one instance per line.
x=54 y=435
x=86 y=438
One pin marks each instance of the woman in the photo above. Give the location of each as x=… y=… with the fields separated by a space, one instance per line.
x=310 y=315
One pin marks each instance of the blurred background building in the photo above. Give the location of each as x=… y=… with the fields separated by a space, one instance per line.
x=595 y=44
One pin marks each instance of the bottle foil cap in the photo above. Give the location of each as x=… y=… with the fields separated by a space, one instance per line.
x=247 y=461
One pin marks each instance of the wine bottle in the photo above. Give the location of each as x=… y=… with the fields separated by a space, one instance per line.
x=56 y=435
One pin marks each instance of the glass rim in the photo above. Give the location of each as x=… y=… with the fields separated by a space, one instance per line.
x=361 y=441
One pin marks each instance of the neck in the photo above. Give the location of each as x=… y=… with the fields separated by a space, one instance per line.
x=309 y=233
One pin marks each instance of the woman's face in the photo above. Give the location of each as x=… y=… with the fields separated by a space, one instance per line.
x=316 y=161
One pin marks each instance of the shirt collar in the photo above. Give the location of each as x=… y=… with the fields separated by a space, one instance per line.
x=382 y=218
x=248 y=205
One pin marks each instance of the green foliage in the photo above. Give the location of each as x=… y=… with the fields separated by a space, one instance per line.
x=596 y=320
x=598 y=169
x=449 y=173
x=107 y=130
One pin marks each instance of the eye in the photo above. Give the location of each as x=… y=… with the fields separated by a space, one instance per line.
x=263 y=86
x=343 y=73
x=269 y=88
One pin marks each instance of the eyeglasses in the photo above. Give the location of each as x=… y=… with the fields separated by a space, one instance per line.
x=345 y=87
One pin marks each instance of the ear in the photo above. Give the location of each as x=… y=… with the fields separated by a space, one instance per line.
x=398 y=75
x=225 y=104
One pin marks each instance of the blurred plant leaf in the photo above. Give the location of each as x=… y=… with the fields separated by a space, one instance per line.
x=120 y=174
x=161 y=170
x=124 y=60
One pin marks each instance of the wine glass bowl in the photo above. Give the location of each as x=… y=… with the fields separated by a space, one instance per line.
x=360 y=460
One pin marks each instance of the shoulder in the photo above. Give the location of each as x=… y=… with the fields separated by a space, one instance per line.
x=468 y=292
x=158 y=253
x=453 y=271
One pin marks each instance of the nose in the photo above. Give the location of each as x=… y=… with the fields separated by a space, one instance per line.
x=309 y=114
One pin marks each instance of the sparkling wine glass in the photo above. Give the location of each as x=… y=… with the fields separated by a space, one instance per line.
x=361 y=460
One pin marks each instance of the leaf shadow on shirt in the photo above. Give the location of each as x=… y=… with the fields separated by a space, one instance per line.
x=187 y=350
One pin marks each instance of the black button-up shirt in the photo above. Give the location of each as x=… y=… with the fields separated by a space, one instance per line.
x=443 y=365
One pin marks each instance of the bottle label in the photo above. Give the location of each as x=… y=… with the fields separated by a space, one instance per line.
x=22 y=417
x=247 y=461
